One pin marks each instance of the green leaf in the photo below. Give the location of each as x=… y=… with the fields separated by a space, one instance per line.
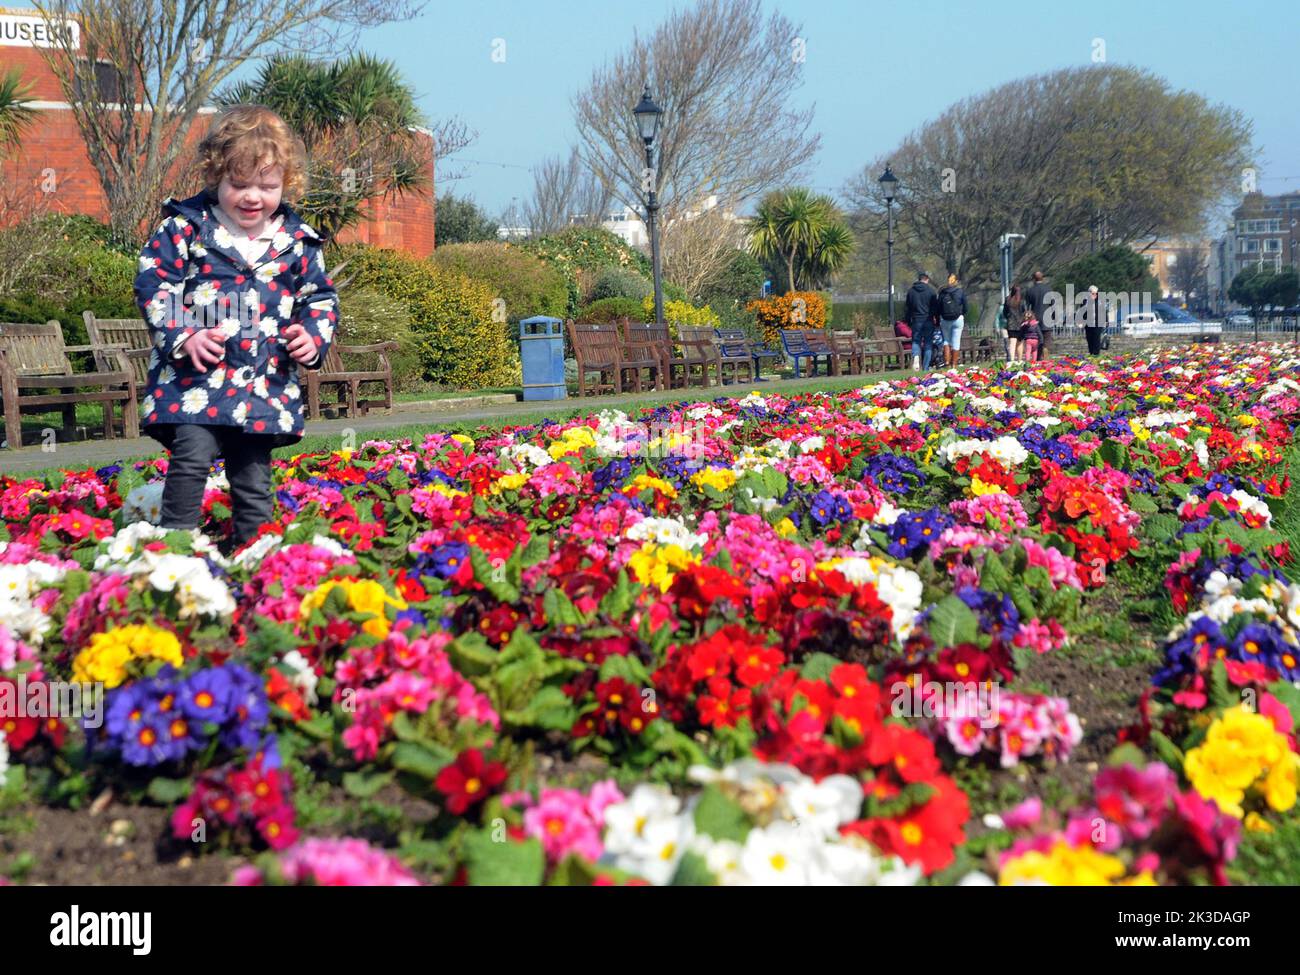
x=490 y=863
x=952 y=622
x=495 y=579
x=720 y=816
x=692 y=871
x=363 y=785
x=1166 y=750
x=422 y=759
x=471 y=654
x=1127 y=754
x=550 y=709
x=168 y=791
x=1221 y=693
x=818 y=666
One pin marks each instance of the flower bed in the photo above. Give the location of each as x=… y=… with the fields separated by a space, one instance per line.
x=754 y=640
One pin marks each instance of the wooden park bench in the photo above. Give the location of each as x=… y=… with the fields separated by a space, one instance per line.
x=850 y=351
x=892 y=350
x=600 y=348
x=34 y=359
x=675 y=371
x=706 y=349
x=810 y=344
x=347 y=381
x=130 y=336
x=738 y=338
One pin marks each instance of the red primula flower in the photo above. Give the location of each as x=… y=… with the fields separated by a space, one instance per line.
x=469 y=780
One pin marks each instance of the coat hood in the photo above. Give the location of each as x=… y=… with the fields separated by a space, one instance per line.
x=198 y=210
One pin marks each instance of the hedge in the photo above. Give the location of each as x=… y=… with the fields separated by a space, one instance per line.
x=526 y=284
x=459 y=343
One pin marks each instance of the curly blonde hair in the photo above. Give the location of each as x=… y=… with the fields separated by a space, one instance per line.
x=241 y=141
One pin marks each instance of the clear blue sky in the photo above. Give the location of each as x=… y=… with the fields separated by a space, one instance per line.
x=868 y=92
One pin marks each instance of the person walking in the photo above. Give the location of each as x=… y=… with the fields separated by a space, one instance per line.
x=1036 y=300
x=952 y=319
x=1094 y=321
x=921 y=312
x=1013 y=313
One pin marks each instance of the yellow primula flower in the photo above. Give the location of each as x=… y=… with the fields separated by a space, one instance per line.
x=1239 y=749
x=720 y=479
x=1246 y=420
x=1139 y=430
x=1069 y=866
x=655 y=565
x=461 y=438
x=109 y=654
x=643 y=481
x=509 y=482
x=364 y=596
x=978 y=487
x=785 y=528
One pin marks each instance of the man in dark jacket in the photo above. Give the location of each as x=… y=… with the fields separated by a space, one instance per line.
x=922 y=314
x=1036 y=298
x=1094 y=320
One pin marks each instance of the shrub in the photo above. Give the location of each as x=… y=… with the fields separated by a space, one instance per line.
x=79 y=272
x=368 y=315
x=611 y=310
x=588 y=249
x=524 y=282
x=620 y=282
x=741 y=281
x=458 y=342
x=794 y=309
x=681 y=313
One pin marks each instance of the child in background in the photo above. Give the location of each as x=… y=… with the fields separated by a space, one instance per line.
x=234 y=290
x=1032 y=331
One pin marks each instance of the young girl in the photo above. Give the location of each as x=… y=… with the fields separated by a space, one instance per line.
x=1033 y=335
x=234 y=290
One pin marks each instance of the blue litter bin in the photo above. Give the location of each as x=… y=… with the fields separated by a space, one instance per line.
x=541 y=351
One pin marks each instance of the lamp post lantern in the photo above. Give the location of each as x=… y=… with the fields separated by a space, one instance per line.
x=889 y=186
x=648 y=115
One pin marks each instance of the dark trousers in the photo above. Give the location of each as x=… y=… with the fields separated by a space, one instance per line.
x=1093 y=335
x=248 y=468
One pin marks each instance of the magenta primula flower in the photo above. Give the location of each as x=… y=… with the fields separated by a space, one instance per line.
x=562 y=820
x=334 y=863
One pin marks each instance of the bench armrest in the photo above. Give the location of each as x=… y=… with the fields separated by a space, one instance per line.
x=389 y=346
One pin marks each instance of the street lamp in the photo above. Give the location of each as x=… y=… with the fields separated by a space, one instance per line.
x=647 y=115
x=889 y=186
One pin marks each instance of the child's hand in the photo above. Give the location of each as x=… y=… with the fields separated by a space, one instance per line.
x=299 y=344
x=206 y=347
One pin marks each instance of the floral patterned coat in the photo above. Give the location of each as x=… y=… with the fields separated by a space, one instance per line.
x=191 y=275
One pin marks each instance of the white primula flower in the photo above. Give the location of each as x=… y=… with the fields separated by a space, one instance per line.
x=626 y=822
x=304 y=675
x=825 y=806
x=665 y=531
x=125 y=544
x=143 y=504
x=780 y=854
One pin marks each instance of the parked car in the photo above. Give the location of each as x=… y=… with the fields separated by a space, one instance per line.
x=1240 y=320
x=1165 y=319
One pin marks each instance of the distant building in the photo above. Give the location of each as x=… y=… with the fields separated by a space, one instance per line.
x=628 y=224
x=52 y=152
x=1163 y=257
x=513 y=233
x=1263 y=233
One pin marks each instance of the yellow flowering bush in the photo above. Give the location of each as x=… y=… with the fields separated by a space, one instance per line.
x=794 y=309
x=1070 y=866
x=364 y=596
x=1243 y=750
x=109 y=656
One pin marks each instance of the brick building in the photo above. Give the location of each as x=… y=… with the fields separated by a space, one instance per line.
x=1264 y=233
x=52 y=151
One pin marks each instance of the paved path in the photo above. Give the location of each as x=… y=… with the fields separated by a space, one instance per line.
x=81 y=454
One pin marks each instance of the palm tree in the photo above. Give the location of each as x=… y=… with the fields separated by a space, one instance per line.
x=356 y=118
x=802 y=230
x=15 y=114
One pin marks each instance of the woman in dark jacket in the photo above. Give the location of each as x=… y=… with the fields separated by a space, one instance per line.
x=1013 y=312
